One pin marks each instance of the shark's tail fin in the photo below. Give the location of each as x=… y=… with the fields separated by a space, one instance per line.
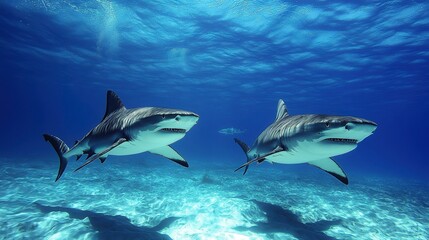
x=246 y=149
x=61 y=148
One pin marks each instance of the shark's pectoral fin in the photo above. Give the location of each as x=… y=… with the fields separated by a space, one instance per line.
x=330 y=166
x=171 y=154
x=100 y=154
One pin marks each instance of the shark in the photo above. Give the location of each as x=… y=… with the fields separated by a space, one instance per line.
x=231 y=131
x=125 y=131
x=309 y=138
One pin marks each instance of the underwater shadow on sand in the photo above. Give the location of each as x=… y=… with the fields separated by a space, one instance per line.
x=113 y=227
x=280 y=220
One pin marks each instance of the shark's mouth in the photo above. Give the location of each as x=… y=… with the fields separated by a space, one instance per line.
x=173 y=130
x=342 y=140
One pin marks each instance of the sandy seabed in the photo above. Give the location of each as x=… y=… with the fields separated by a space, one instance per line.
x=122 y=200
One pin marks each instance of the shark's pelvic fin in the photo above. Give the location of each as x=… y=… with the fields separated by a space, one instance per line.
x=260 y=158
x=100 y=154
x=281 y=110
x=170 y=153
x=103 y=159
x=331 y=167
x=113 y=104
x=89 y=153
x=61 y=148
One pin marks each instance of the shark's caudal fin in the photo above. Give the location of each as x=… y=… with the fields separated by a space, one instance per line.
x=61 y=148
x=246 y=149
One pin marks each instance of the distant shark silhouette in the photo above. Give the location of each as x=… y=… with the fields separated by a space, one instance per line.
x=128 y=131
x=113 y=227
x=231 y=131
x=282 y=220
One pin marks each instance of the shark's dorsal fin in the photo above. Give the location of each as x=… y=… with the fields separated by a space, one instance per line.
x=113 y=103
x=281 y=110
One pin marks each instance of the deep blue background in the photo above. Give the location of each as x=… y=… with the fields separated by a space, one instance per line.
x=230 y=63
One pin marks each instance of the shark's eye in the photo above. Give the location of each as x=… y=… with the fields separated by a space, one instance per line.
x=163 y=116
x=327 y=124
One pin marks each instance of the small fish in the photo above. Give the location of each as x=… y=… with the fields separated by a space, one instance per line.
x=231 y=131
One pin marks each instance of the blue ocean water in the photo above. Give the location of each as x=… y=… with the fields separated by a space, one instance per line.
x=230 y=62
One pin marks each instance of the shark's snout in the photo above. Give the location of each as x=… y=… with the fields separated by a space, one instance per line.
x=343 y=134
x=178 y=122
x=192 y=118
x=365 y=126
x=187 y=121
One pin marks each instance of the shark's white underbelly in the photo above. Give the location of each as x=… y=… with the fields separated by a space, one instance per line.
x=286 y=157
x=145 y=141
x=130 y=148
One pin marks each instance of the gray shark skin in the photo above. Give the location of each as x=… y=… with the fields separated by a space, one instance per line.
x=125 y=131
x=312 y=139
